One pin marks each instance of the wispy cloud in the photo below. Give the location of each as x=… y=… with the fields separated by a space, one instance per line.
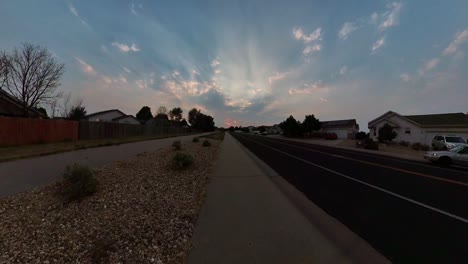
x=125 y=48
x=278 y=76
x=323 y=100
x=346 y=30
x=378 y=44
x=215 y=63
x=127 y=70
x=73 y=10
x=311 y=41
x=132 y=9
x=459 y=39
x=390 y=18
x=405 y=77
x=429 y=65
x=343 y=70
x=86 y=68
x=309 y=88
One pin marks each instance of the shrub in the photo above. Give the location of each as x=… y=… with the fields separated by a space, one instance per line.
x=425 y=147
x=195 y=139
x=78 y=182
x=404 y=143
x=416 y=146
x=361 y=135
x=182 y=161
x=370 y=144
x=386 y=133
x=206 y=143
x=177 y=145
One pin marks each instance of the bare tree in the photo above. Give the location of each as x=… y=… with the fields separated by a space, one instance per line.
x=4 y=62
x=66 y=105
x=33 y=76
x=162 y=110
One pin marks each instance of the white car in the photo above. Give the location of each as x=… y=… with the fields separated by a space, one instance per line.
x=457 y=156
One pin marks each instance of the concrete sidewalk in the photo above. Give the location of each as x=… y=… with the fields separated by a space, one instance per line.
x=246 y=218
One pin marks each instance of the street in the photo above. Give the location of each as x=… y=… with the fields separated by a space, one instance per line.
x=411 y=212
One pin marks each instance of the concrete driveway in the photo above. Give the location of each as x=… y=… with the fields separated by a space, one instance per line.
x=21 y=175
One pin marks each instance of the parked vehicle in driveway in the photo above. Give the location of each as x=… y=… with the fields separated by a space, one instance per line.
x=457 y=155
x=442 y=142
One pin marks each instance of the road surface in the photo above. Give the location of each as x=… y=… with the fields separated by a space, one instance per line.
x=411 y=212
x=21 y=175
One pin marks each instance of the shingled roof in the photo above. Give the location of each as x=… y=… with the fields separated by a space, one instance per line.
x=339 y=123
x=450 y=119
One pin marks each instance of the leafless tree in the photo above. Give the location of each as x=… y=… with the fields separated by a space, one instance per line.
x=4 y=62
x=162 y=110
x=33 y=76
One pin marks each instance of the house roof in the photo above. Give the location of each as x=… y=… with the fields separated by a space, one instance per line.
x=431 y=120
x=339 y=123
x=449 y=119
x=10 y=106
x=104 y=112
x=125 y=116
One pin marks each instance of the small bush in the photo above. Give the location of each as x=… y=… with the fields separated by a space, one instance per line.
x=206 y=143
x=78 y=182
x=360 y=135
x=416 y=146
x=370 y=144
x=195 y=139
x=425 y=147
x=404 y=143
x=182 y=161
x=177 y=145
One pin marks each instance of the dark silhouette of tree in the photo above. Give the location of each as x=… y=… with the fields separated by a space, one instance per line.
x=43 y=111
x=192 y=116
x=201 y=121
x=144 y=114
x=291 y=127
x=162 y=116
x=4 y=66
x=162 y=110
x=310 y=124
x=33 y=75
x=386 y=133
x=77 y=113
x=176 y=114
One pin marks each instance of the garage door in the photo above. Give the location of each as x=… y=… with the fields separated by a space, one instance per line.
x=341 y=133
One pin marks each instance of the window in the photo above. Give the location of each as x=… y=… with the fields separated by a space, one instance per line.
x=407 y=130
x=375 y=132
x=454 y=139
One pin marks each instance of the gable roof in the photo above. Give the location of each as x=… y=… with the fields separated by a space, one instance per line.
x=10 y=106
x=431 y=120
x=449 y=119
x=125 y=116
x=104 y=112
x=339 y=123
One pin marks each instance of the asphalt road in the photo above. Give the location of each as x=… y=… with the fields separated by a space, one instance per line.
x=411 y=212
x=24 y=174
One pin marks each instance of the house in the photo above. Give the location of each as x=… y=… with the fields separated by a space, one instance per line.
x=10 y=106
x=344 y=129
x=275 y=129
x=113 y=116
x=421 y=128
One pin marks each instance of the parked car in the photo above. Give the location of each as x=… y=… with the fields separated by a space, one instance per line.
x=442 y=142
x=457 y=155
x=331 y=136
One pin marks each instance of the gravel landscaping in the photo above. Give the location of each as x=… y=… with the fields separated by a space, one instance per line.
x=144 y=211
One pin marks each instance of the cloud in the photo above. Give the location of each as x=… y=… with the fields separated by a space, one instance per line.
x=75 y=13
x=459 y=39
x=86 y=68
x=323 y=100
x=127 y=70
x=343 y=70
x=378 y=44
x=429 y=65
x=215 y=63
x=346 y=30
x=217 y=71
x=125 y=47
x=311 y=41
x=278 y=76
x=132 y=9
x=374 y=18
x=405 y=77
x=390 y=17
x=309 y=88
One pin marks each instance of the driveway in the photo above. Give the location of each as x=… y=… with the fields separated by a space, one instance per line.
x=21 y=175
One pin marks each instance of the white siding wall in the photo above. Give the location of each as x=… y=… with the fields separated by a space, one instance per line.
x=417 y=134
x=341 y=133
x=105 y=116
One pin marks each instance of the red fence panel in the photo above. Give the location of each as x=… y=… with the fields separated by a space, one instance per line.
x=21 y=131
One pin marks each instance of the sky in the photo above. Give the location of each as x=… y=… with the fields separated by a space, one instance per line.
x=253 y=62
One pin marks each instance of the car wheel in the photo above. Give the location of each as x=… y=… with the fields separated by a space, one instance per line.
x=445 y=161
